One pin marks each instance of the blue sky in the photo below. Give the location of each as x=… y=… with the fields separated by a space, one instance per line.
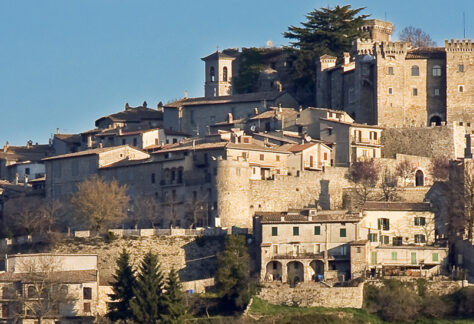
x=64 y=64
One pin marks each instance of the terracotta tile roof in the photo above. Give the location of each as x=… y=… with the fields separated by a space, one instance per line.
x=247 y=97
x=85 y=153
x=60 y=276
x=426 y=52
x=302 y=216
x=276 y=137
x=396 y=206
x=275 y=113
x=256 y=147
x=300 y=147
x=134 y=115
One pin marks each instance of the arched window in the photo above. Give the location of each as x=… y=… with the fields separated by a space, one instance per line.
x=415 y=70
x=436 y=70
x=224 y=73
x=419 y=178
x=212 y=74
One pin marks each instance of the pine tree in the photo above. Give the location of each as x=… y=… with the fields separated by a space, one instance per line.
x=148 y=302
x=122 y=289
x=325 y=31
x=232 y=277
x=175 y=309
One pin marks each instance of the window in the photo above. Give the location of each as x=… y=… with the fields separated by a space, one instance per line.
x=415 y=70
x=390 y=70
x=296 y=231
x=224 y=73
x=420 y=238
x=372 y=237
x=192 y=117
x=383 y=224
x=342 y=232
x=390 y=91
x=434 y=257
x=420 y=221
x=436 y=92
x=461 y=67
x=153 y=179
x=436 y=70
x=384 y=239
x=461 y=88
x=394 y=256
x=27 y=171
x=278 y=158
x=212 y=74
x=5 y=310
x=329 y=131
x=87 y=307
x=358 y=249
x=415 y=92
x=175 y=140
x=397 y=240
x=135 y=142
x=32 y=292
x=325 y=156
x=87 y=293
x=274 y=231
x=262 y=157
x=317 y=230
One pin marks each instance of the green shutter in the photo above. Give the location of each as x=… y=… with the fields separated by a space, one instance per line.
x=413 y=258
x=317 y=230
x=274 y=231
x=374 y=257
x=422 y=221
x=379 y=223
x=394 y=256
x=296 y=231
x=342 y=232
x=435 y=257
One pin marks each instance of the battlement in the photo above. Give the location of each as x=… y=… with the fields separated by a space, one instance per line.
x=463 y=45
x=364 y=46
x=378 y=30
x=393 y=47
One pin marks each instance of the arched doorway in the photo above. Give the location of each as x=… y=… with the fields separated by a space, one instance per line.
x=273 y=271
x=295 y=272
x=436 y=120
x=318 y=270
x=419 y=178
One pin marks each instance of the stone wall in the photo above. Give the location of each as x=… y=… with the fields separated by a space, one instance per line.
x=448 y=140
x=313 y=295
x=194 y=259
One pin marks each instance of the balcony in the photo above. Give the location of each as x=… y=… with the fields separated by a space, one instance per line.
x=313 y=166
x=365 y=141
x=300 y=255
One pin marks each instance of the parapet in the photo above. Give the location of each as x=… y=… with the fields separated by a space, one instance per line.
x=463 y=45
x=393 y=47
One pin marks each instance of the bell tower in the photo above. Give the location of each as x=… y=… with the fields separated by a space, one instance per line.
x=218 y=74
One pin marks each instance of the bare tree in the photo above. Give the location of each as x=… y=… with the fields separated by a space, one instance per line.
x=147 y=209
x=469 y=198
x=41 y=292
x=440 y=168
x=364 y=174
x=100 y=202
x=417 y=37
x=198 y=210
x=388 y=186
x=405 y=170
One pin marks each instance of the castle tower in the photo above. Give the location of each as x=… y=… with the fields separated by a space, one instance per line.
x=218 y=72
x=460 y=83
x=378 y=30
x=323 y=84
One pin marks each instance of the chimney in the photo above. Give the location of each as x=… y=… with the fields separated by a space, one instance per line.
x=100 y=145
x=230 y=118
x=160 y=106
x=255 y=111
x=5 y=147
x=279 y=107
x=282 y=218
x=347 y=58
x=144 y=104
x=25 y=181
x=89 y=141
x=127 y=107
x=186 y=94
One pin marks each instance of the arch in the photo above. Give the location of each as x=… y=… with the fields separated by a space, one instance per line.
x=224 y=73
x=295 y=270
x=415 y=70
x=318 y=270
x=212 y=74
x=419 y=178
x=436 y=120
x=273 y=271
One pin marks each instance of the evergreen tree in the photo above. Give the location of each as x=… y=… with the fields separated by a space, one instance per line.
x=232 y=277
x=148 y=302
x=326 y=31
x=175 y=309
x=122 y=290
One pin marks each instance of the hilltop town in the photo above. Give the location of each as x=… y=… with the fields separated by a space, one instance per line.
x=373 y=181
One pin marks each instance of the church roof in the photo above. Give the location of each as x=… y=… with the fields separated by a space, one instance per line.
x=247 y=97
x=218 y=55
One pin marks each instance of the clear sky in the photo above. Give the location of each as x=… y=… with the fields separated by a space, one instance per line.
x=65 y=63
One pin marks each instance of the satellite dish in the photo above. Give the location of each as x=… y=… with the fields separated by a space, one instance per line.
x=308 y=138
x=253 y=128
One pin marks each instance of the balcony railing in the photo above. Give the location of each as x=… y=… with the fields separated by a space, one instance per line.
x=313 y=166
x=365 y=141
x=300 y=255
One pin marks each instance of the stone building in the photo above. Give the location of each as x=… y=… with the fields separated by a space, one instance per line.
x=31 y=276
x=392 y=84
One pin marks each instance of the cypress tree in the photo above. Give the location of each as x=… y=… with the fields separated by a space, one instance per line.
x=148 y=302
x=174 y=303
x=122 y=289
